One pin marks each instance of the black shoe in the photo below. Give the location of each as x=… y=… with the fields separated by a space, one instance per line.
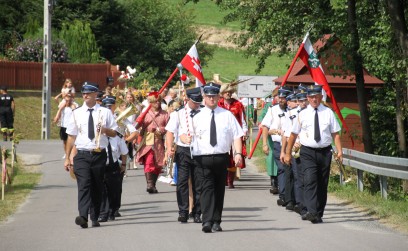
x=117 y=214
x=216 y=227
x=81 y=221
x=112 y=218
x=95 y=224
x=297 y=209
x=274 y=190
x=191 y=216
x=303 y=216
x=207 y=227
x=290 y=206
x=281 y=202
x=313 y=218
x=197 y=219
x=102 y=219
x=182 y=218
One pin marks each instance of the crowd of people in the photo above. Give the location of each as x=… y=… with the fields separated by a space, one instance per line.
x=204 y=131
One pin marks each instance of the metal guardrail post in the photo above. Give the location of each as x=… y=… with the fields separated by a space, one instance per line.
x=383 y=186
x=360 y=180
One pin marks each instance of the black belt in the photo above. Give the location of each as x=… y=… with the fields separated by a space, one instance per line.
x=92 y=152
x=318 y=148
x=212 y=155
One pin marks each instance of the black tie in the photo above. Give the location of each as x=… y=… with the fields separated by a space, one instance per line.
x=316 y=127
x=91 y=132
x=213 y=131
x=110 y=153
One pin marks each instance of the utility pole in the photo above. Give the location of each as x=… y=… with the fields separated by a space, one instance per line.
x=46 y=87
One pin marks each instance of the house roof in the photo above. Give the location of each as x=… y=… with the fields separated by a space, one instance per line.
x=329 y=48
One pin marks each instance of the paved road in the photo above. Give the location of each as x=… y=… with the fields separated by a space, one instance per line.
x=251 y=219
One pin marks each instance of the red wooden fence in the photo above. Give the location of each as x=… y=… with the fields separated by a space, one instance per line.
x=28 y=75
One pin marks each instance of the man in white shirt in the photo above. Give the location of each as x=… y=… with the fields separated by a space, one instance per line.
x=214 y=131
x=88 y=129
x=317 y=127
x=182 y=120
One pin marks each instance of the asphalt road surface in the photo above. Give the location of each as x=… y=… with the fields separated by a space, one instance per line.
x=251 y=219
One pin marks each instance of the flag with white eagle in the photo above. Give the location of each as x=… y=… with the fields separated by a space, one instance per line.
x=191 y=62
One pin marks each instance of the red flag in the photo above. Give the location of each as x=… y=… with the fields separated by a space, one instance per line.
x=192 y=63
x=312 y=62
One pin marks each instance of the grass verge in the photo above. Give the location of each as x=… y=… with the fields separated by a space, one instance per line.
x=23 y=182
x=391 y=212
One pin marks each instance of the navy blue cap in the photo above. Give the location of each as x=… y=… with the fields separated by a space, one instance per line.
x=211 y=89
x=100 y=95
x=284 y=91
x=291 y=97
x=302 y=87
x=314 y=89
x=195 y=95
x=109 y=100
x=89 y=87
x=301 y=95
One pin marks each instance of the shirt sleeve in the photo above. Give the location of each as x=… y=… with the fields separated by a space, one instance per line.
x=237 y=131
x=123 y=149
x=335 y=126
x=110 y=120
x=267 y=120
x=173 y=124
x=72 y=128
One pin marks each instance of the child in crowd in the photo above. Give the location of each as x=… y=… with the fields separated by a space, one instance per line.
x=66 y=88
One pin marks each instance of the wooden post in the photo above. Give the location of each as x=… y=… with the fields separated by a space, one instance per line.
x=13 y=149
x=3 y=172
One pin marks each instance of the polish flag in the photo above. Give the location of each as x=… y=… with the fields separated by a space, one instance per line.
x=191 y=62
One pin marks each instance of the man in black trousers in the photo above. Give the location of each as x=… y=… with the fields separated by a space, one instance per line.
x=317 y=127
x=214 y=131
x=89 y=129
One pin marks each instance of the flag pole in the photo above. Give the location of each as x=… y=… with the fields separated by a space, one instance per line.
x=143 y=115
x=283 y=83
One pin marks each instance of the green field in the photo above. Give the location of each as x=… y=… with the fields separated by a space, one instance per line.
x=207 y=13
x=230 y=63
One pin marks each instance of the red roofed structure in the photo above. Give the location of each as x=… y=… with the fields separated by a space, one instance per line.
x=342 y=84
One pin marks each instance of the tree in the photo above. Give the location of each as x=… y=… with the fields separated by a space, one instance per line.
x=82 y=47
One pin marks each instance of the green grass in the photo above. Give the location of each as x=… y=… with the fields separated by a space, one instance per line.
x=27 y=121
x=16 y=193
x=207 y=13
x=230 y=63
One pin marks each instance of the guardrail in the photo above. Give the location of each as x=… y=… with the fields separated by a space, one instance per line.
x=376 y=164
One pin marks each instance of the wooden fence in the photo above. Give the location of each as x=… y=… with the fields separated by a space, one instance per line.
x=28 y=75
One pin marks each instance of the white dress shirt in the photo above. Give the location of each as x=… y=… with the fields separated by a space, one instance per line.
x=179 y=123
x=228 y=130
x=119 y=148
x=304 y=126
x=78 y=126
x=275 y=119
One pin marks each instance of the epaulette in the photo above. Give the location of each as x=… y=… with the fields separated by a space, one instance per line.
x=181 y=107
x=76 y=108
x=293 y=116
x=301 y=109
x=201 y=106
x=281 y=115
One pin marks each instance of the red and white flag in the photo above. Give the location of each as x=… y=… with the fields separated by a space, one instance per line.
x=309 y=57
x=191 y=62
x=312 y=62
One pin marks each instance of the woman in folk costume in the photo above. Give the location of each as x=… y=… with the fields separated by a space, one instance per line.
x=238 y=110
x=151 y=151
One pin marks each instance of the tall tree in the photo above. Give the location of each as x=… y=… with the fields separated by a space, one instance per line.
x=82 y=47
x=399 y=26
x=357 y=62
